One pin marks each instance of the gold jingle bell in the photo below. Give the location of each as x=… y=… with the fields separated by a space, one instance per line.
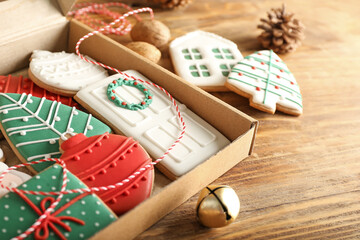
x=217 y=206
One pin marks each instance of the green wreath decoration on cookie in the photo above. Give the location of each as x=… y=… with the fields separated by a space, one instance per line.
x=122 y=103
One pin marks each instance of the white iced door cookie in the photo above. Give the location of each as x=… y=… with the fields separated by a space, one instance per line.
x=204 y=59
x=63 y=73
x=155 y=127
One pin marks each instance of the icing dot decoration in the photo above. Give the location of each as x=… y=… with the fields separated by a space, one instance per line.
x=121 y=103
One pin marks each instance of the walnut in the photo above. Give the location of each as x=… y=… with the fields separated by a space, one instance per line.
x=151 y=31
x=146 y=50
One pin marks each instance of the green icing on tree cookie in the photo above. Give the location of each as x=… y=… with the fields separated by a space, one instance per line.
x=17 y=215
x=34 y=125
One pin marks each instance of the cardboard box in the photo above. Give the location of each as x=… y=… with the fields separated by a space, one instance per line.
x=38 y=24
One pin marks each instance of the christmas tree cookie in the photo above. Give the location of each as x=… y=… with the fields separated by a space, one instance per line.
x=20 y=84
x=107 y=159
x=78 y=215
x=33 y=126
x=63 y=73
x=265 y=79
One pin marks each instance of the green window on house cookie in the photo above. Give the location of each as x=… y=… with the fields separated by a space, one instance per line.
x=199 y=71
x=222 y=53
x=225 y=69
x=191 y=53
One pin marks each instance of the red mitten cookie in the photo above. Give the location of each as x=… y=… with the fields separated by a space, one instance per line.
x=107 y=159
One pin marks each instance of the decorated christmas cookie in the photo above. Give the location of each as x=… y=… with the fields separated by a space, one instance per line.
x=33 y=125
x=156 y=127
x=204 y=59
x=2 y=156
x=12 y=179
x=63 y=73
x=78 y=215
x=107 y=159
x=20 y=84
x=265 y=79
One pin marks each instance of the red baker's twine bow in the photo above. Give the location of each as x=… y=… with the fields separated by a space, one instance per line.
x=42 y=231
x=43 y=217
x=63 y=190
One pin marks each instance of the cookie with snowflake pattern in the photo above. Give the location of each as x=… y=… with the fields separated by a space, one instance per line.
x=33 y=126
x=265 y=79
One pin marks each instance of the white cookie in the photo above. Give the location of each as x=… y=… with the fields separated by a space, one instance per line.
x=12 y=179
x=2 y=156
x=63 y=73
x=265 y=79
x=204 y=59
x=155 y=127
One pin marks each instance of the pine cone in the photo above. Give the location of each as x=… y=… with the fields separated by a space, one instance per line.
x=170 y=4
x=282 y=32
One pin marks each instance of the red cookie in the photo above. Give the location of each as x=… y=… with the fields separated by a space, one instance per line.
x=107 y=159
x=19 y=84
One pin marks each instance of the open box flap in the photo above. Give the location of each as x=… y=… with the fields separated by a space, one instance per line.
x=19 y=17
x=66 y=5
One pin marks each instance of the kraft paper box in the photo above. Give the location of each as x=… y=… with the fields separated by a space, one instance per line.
x=41 y=24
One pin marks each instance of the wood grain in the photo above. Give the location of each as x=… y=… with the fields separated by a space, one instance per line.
x=303 y=180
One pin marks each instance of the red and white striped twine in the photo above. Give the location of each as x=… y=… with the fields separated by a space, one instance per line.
x=62 y=163
x=124 y=26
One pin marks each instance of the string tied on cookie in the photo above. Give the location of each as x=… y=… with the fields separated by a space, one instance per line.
x=51 y=220
x=47 y=213
x=122 y=17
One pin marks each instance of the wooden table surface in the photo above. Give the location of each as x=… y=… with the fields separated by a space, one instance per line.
x=303 y=179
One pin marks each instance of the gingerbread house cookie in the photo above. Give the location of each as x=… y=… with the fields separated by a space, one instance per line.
x=204 y=59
